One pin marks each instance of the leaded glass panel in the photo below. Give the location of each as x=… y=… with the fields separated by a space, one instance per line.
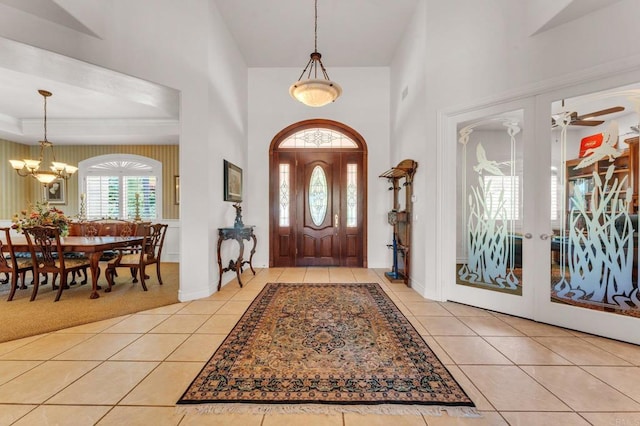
x=318 y=138
x=318 y=195
x=352 y=195
x=284 y=195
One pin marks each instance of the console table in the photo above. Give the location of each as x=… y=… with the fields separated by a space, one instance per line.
x=239 y=234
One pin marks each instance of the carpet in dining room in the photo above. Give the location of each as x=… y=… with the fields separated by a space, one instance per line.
x=323 y=348
x=22 y=318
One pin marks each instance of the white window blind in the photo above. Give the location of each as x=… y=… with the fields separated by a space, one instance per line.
x=502 y=197
x=122 y=187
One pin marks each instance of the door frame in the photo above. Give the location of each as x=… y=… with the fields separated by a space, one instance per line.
x=274 y=152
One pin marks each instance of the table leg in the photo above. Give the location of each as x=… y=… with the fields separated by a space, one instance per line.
x=239 y=261
x=253 y=250
x=219 y=264
x=94 y=262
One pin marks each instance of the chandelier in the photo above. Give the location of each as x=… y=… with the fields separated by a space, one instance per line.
x=314 y=91
x=28 y=167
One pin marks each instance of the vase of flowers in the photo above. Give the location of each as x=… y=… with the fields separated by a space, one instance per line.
x=41 y=214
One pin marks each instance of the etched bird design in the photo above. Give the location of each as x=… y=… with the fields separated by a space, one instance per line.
x=484 y=164
x=606 y=149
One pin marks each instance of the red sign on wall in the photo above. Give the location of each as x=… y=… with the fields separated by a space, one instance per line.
x=590 y=142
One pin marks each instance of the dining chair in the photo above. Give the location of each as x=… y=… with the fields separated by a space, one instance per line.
x=45 y=241
x=12 y=265
x=150 y=253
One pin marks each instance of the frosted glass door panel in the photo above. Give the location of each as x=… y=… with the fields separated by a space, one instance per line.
x=594 y=256
x=489 y=203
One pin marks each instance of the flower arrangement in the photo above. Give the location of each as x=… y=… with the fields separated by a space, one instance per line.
x=41 y=214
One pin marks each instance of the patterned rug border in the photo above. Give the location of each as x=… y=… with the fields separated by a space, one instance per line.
x=453 y=409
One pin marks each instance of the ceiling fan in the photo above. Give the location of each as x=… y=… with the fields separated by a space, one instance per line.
x=586 y=119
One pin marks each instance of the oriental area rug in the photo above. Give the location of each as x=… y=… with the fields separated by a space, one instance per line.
x=326 y=348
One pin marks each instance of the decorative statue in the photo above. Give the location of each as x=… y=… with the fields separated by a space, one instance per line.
x=238 y=222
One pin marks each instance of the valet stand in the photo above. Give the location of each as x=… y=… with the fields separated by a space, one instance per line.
x=238 y=232
x=401 y=177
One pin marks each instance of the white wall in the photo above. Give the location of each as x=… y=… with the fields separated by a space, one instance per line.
x=475 y=50
x=364 y=106
x=184 y=45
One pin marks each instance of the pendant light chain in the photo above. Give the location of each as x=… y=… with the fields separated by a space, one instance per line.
x=315 y=44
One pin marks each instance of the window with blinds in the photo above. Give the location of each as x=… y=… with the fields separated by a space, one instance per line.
x=122 y=189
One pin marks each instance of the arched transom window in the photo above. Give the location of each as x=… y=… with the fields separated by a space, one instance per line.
x=318 y=138
x=121 y=186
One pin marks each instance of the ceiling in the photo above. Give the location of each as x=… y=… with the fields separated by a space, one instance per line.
x=92 y=105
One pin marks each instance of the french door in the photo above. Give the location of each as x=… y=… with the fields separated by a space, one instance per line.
x=546 y=219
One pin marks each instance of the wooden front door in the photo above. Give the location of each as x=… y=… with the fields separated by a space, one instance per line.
x=318 y=207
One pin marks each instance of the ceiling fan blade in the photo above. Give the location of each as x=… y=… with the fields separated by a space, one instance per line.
x=586 y=122
x=601 y=112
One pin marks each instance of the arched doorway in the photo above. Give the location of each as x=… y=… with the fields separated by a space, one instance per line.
x=318 y=196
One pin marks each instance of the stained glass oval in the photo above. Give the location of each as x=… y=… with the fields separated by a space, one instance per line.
x=318 y=196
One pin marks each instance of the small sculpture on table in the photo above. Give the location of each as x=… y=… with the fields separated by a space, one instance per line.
x=238 y=222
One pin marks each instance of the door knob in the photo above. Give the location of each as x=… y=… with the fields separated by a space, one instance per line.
x=528 y=235
x=545 y=236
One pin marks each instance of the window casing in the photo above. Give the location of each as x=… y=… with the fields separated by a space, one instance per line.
x=114 y=184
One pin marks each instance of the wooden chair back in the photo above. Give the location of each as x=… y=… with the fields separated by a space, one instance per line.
x=153 y=242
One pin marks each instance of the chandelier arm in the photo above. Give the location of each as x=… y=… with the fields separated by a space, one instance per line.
x=305 y=69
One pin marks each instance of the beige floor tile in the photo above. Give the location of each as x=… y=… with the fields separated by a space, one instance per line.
x=533 y=328
x=219 y=324
x=411 y=296
x=341 y=275
x=165 y=385
x=316 y=275
x=234 y=307
x=508 y=388
x=202 y=307
x=625 y=379
x=292 y=275
x=579 y=351
x=445 y=326
x=352 y=419
x=488 y=418
x=94 y=327
x=521 y=418
x=222 y=419
x=490 y=326
x=580 y=390
x=626 y=351
x=47 y=347
x=150 y=347
x=437 y=350
x=67 y=415
x=12 y=345
x=42 y=382
x=302 y=419
x=247 y=294
x=142 y=416
x=418 y=326
x=169 y=309
x=482 y=404
x=525 y=350
x=470 y=350
x=426 y=309
x=198 y=347
x=461 y=310
x=98 y=347
x=180 y=324
x=106 y=384
x=10 y=413
x=364 y=275
x=612 y=419
x=11 y=369
x=138 y=323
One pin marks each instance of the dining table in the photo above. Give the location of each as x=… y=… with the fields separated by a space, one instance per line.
x=92 y=247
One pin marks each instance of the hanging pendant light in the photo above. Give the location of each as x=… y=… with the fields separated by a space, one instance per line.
x=314 y=91
x=29 y=167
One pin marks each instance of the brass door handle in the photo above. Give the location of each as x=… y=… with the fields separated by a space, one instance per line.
x=335 y=220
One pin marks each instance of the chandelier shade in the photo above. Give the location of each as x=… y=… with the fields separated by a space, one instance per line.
x=314 y=91
x=30 y=167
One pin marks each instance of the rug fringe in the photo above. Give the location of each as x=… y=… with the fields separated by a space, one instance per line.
x=389 y=409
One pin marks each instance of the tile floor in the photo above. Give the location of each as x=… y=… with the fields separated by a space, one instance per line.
x=131 y=370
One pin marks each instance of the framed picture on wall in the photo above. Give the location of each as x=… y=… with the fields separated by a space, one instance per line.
x=232 y=182
x=56 y=192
